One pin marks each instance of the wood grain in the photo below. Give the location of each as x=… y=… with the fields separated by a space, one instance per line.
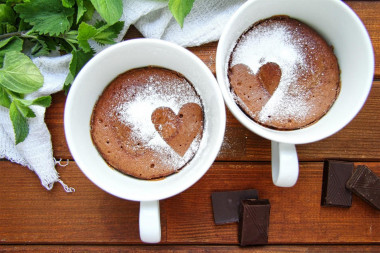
x=296 y=215
x=191 y=248
x=31 y=214
x=368 y=12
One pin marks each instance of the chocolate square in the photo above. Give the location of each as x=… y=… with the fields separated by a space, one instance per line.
x=366 y=184
x=225 y=205
x=254 y=222
x=335 y=176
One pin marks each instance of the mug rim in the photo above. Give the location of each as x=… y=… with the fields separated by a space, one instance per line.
x=212 y=150
x=285 y=136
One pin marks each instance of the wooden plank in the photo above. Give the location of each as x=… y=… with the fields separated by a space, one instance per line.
x=359 y=140
x=31 y=214
x=368 y=11
x=296 y=215
x=189 y=248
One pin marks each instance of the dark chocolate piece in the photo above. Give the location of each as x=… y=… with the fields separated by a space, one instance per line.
x=335 y=176
x=366 y=184
x=225 y=205
x=254 y=222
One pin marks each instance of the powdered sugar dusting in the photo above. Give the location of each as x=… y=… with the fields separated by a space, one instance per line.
x=275 y=42
x=139 y=104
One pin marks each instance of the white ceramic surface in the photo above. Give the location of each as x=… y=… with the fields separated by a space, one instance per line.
x=342 y=28
x=90 y=83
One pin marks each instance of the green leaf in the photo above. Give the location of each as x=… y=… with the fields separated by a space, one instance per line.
x=7 y=15
x=40 y=48
x=78 y=60
x=11 y=2
x=107 y=33
x=19 y=122
x=102 y=35
x=46 y=16
x=81 y=10
x=11 y=44
x=85 y=32
x=99 y=23
x=7 y=28
x=7 y=45
x=24 y=109
x=44 y=101
x=19 y=74
x=51 y=43
x=109 y=10
x=90 y=9
x=180 y=9
x=68 y=3
x=4 y=98
x=24 y=26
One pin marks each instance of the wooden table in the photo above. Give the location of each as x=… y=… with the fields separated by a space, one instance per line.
x=34 y=219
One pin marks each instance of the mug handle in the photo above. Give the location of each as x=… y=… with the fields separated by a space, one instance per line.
x=149 y=221
x=285 y=166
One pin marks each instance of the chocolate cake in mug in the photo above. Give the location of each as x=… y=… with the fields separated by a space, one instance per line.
x=283 y=74
x=148 y=122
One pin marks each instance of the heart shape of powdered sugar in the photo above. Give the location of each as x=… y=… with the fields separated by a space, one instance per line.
x=254 y=90
x=179 y=130
x=269 y=74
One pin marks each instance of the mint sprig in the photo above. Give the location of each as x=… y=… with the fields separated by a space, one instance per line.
x=47 y=25
x=19 y=76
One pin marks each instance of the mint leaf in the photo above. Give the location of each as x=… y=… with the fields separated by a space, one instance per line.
x=7 y=45
x=40 y=48
x=89 y=10
x=68 y=3
x=4 y=98
x=46 y=16
x=19 y=122
x=19 y=74
x=102 y=35
x=109 y=10
x=24 y=109
x=85 y=32
x=7 y=28
x=180 y=9
x=78 y=60
x=11 y=44
x=44 y=101
x=7 y=15
x=81 y=10
x=108 y=33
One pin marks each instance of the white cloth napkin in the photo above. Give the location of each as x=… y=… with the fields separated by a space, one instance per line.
x=154 y=20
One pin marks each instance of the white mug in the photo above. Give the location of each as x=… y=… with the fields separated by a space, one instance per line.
x=85 y=91
x=342 y=29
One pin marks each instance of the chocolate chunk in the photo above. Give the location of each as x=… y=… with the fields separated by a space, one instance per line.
x=254 y=222
x=225 y=205
x=335 y=176
x=366 y=184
